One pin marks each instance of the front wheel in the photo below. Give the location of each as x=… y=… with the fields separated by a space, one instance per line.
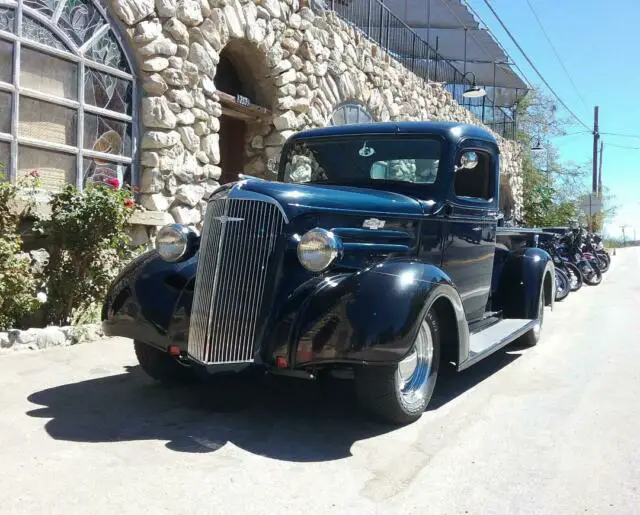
x=574 y=274
x=591 y=273
x=400 y=393
x=603 y=263
x=161 y=366
x=563 y=286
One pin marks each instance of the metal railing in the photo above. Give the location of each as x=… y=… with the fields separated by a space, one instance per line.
x=381 y=26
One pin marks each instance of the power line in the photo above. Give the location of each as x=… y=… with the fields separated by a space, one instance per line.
x=626 y=147
x=533 y=66
x=556 y=53
x=621 y=135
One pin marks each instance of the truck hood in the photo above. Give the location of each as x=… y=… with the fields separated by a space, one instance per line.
x=298 y=199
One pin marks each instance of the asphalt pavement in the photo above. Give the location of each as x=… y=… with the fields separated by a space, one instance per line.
x=548 y=430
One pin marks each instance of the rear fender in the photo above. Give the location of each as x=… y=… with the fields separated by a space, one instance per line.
x=372 y=316
x=520 y=281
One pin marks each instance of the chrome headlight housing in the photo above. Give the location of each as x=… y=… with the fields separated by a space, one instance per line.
x=174 y=242
x=318 y=248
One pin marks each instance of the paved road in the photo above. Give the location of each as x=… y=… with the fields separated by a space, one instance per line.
x=550 y=430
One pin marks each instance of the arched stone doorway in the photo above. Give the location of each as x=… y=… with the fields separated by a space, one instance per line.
x=246 y=94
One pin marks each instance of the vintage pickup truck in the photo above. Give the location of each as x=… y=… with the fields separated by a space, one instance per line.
x=377 y=254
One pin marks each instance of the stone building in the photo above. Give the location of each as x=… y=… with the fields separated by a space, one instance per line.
x=177 y=96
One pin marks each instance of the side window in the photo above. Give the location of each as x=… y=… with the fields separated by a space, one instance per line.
x=475 y=182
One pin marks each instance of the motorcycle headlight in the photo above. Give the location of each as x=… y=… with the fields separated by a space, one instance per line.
x=318 y=248
x=174 y=241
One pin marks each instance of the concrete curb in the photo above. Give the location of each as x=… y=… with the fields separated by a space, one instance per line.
x=48 y=337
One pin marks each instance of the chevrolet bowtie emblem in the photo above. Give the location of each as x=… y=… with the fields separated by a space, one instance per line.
x=224 y=219
x=373 y=223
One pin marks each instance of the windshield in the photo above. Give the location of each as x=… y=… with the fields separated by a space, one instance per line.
x=363 y=159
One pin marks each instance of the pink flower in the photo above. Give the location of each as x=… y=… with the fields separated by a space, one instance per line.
x=112 y=181
x=34 y=173
x=129 y=202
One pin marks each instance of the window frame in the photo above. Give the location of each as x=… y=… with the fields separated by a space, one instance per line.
x=476 y=201
x=75 y=55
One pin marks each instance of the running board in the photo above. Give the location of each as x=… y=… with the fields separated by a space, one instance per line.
x=494 y=337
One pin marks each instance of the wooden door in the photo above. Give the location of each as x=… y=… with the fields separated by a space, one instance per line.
x=232 y=144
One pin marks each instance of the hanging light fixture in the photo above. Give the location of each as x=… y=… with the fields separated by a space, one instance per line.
x=537 y=146
x=474 y=91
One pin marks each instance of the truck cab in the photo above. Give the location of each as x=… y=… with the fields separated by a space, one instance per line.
x=375 y=252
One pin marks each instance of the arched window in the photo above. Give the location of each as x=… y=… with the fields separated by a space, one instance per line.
x=67 y=93
x=350 y=112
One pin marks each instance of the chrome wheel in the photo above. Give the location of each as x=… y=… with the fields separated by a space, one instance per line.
x=538 y=325
x=414 y=370
x=400 y=393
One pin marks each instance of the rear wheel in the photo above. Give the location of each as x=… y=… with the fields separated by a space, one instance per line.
x=533 y=336
x=400 y=393
x=161 y=366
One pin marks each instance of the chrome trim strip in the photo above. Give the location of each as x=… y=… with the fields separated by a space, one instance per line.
x=238 y=193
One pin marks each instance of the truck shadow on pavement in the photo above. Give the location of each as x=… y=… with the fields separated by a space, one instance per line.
x=281 y=418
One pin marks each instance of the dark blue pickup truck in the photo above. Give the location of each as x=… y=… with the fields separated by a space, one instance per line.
x=377 y=253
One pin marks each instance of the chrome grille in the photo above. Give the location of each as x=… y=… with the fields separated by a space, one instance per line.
x=239 y=238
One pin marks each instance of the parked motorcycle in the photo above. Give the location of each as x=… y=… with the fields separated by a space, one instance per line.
x=586 y=262
x=555 y=249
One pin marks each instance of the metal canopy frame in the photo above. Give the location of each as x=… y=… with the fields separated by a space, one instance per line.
x=453 y=32
x=376 y=21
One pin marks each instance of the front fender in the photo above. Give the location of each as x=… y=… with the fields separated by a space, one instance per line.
x=144 y=301
x=370 y=316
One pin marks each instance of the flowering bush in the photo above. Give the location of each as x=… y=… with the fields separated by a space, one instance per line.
x=19 y=295
x=88 y=246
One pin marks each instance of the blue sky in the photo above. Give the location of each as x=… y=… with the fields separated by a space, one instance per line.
x=598 y=43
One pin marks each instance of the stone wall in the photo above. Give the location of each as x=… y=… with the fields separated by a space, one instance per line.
x=296 y=63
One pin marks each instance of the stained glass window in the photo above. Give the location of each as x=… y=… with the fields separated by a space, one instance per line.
x=67 y=134
x=36 y=31
x=80 y=19
x=7 y=19
x=350 y=112
x=5 y=155
x=107 y=92
x=44 y=7
x=5 y=112
x=6 y=61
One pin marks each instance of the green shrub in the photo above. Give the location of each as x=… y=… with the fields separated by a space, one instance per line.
x=88 y=246
x=18 y=283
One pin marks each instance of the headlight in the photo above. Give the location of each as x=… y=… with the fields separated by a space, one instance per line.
x=318 y=248
x=174 y=241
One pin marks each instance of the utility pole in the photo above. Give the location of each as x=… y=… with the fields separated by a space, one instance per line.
x=600 y=170
x=596 y=135
x=624 y=237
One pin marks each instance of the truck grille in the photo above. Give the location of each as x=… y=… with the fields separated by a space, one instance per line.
x=239 y=237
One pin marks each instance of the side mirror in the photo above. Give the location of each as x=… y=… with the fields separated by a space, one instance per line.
x=468 y=160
